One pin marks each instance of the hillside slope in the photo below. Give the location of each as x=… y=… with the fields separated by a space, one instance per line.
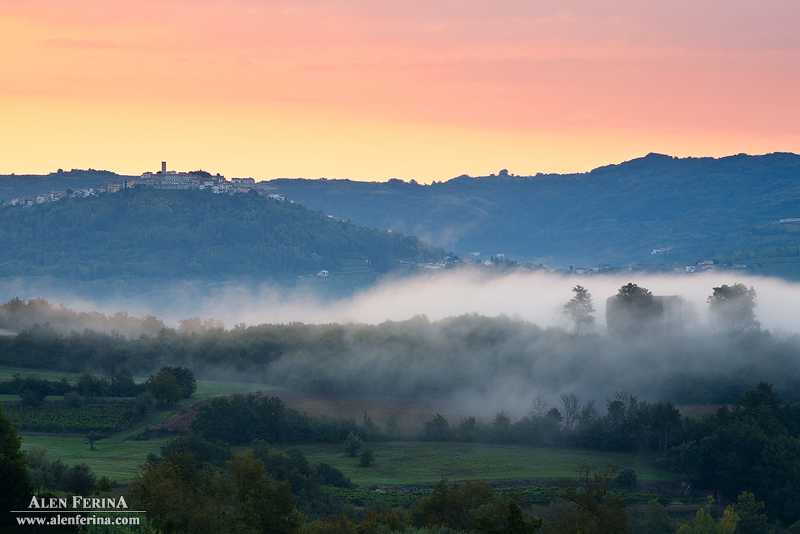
x=617 y=214
x=189 y=235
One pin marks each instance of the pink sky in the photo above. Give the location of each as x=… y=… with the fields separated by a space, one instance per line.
x=371 y=90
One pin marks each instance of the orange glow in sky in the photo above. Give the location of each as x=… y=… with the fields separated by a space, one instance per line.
x=373 y=90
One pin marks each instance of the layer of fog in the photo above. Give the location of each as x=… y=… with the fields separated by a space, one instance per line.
x=535 y=297
x=532 y=297
x=507 y=375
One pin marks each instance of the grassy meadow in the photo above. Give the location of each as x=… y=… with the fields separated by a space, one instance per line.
x=413 y=462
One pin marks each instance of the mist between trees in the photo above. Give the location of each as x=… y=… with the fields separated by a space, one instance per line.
x=486 y=363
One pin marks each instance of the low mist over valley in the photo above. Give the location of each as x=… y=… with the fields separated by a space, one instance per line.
x=488 y=343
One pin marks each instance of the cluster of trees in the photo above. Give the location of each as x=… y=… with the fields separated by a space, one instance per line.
x=17 y=315
x=168 y=386
x=308 y=482
x=33 y=389
x=634 y=311
x=48 y=476
x=171 y=384
x=240 y=419
x=754 y=447
x=629 y=425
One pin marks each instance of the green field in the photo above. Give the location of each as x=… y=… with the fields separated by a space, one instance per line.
x=113 y=459
x=7 y=373
x=214 y=388
x=408 y=463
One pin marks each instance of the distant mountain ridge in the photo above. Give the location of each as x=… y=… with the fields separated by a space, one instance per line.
x=688 y=208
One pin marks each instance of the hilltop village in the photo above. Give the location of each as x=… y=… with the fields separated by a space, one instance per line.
x=162 y=179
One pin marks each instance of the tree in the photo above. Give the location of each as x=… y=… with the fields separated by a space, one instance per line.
x=632 y=311
x=731 y=308
x=185 y=378
x=703 y=522
x=352 y=445
x=571 y=403
x=580 y=308
x=655 y=520
x=91 y=437
x=80 y=480
x=164 y=387
x=594 y=509
x=437 y=429
x=366 y=457
x=15 y=489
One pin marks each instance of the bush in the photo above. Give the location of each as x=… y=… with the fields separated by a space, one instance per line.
x=626 y=478
x=330 y=476
x=145 y=402
x=352 y=445
x=366 y=458
x=80 y=480
x=31 y=397
x=72 y=399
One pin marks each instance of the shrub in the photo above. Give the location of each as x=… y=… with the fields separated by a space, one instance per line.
x=366 y=458
x=626 y=478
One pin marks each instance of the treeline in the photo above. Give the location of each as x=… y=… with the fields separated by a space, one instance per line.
x=629 y=425
x=168 y=386
x=17 y=315
x=240 y=419
x=33 y=389
x=476 y=354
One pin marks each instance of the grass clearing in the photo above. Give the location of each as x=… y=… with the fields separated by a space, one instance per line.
x=408 y=463
x=7 y=373
x=112 y=457
x=217 y=388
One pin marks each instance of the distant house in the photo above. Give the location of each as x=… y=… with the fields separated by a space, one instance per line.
x=243 y=181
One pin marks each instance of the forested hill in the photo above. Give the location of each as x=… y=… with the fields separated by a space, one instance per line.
x=617 y=214
x=144 y=234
